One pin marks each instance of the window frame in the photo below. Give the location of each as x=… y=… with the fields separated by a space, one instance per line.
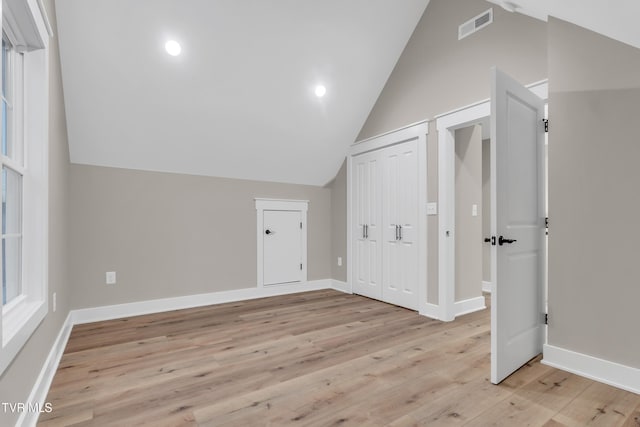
x=14 y=159
x=26 y=27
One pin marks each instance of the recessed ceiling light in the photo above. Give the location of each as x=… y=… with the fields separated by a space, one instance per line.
x=320 y=91
x=173 y=48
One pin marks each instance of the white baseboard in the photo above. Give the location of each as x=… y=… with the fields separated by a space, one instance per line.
x=341 y=286
x=468 y=306
x=487 y=286
x=110 y=312
x=43 y=382
x=604 y=371
x=430 y=310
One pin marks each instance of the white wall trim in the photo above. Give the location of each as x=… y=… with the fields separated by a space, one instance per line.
x=397 y=136
x=604 y=371
x=43 y=382
x=110 y=312
x=421 y=122
x=487 y=286
x=301 y=206
x=430 y=310
x=468 y=306
x=340 y=286
x=540 y=88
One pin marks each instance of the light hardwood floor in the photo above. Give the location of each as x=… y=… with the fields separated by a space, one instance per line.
x=320 y=358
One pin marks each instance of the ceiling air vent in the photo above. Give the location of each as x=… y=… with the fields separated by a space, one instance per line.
x=475 y=24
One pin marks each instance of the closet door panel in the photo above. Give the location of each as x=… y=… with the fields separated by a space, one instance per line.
x=400 y=209
x=366 y=225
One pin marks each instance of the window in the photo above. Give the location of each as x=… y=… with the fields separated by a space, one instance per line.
x=24 y=174
x=12 y=173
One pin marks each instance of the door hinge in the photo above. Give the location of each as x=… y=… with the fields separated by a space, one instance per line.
x=546 y=125
x=546 y=318
x=546 y=226
x=301 y=225
x=300 y=266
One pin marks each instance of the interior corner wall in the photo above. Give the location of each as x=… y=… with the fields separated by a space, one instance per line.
x=19 y=378
x=594 y=85
x=339 y=224
x=169 y=235
x=437 y=73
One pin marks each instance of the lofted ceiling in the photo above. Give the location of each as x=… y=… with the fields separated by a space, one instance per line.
x=239 y=100
x=616 y=19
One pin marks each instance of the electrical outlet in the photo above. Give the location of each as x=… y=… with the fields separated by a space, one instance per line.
x=54 y=302
x=339 y=261
x=111 y=277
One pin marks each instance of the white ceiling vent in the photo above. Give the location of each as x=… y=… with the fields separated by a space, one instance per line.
x=475 y=24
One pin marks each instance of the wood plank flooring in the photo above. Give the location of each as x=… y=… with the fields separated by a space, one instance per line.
x=314 y=359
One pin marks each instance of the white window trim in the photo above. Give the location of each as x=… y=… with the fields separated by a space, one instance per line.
x=20 y=318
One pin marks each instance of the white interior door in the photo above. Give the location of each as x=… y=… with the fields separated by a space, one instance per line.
x=400 y=245
x=282 y=246
x=366 y=225
x=518 y=224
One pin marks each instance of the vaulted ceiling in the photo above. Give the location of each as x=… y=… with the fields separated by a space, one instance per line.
x=239 y=100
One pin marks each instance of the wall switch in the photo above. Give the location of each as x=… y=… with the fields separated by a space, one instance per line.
x=111 y=278
x=54 y=302
x=474 y=210
x=339 y=261
x=432 y=208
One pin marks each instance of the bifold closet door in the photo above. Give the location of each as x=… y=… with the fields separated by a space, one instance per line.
x=367 y=196
x=400 y=219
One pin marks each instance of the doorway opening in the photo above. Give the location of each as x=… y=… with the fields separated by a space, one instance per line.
x=448 y=125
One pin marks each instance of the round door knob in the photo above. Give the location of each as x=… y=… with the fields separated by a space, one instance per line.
x=268 y=232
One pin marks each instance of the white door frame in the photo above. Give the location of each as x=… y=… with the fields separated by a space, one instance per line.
x=417 y=131
x=447 y=124
x=280 y=205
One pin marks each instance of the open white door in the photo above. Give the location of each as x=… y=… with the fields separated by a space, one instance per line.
x=517 y=224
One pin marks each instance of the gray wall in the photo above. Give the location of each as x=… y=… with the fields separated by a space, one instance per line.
x=593 y=194
x=338 y=189
x=486 y=209
x=17 y=381
x=169 y=235
x=468 y=230
x=437 y=73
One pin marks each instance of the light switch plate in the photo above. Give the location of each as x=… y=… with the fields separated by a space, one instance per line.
x=432 y=208
x=110 y=277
